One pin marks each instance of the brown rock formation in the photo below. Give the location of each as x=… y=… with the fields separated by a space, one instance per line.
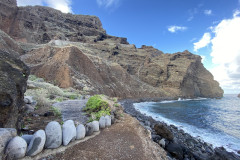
x=74 y=50
x=14 y=74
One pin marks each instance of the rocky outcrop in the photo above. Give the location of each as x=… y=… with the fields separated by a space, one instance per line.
x=75 y=51
x=13 y=81
x=238 y=95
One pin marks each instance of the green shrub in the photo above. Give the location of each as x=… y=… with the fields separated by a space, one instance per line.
x=116 y=105
x=56 y=111
x=97 y=107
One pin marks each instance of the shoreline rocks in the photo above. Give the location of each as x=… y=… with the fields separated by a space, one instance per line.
x=183 y=145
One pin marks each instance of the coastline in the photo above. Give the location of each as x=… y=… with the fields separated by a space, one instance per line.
x=183 y=145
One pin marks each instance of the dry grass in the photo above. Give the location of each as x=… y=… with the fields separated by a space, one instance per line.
x=46 y=94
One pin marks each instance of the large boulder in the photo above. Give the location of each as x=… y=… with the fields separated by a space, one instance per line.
x=69 y=132
x=81 y=131
x=37 y=143
x=16 y=148
x=163 y=131
x=6 y=134
x=175 y=150
x=54 y=135
x=13 y=81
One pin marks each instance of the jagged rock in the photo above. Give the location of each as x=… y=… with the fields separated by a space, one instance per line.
x=37 y=143
x=6 y=134
x=81 y=131
x=163 y=131
x=238 y=95
x=102 y=122
x=16 y=148
x=95 y=126
x=69 y=132
x=14 y=74
x=53 y=135
x=27 y=138
x=108 y=121
x=89 y=129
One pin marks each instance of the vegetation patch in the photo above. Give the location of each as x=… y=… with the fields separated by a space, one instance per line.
x=97 y=107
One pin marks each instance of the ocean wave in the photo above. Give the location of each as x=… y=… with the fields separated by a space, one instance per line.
x=232 y=144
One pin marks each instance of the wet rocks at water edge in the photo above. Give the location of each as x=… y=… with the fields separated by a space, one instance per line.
x=102 y=123
x=37 y=143
x=81 y=131
x=175 y=150
x=53 y=135
x=16 y=148
x=27 y=138
x=163 y=131
x=69 y=132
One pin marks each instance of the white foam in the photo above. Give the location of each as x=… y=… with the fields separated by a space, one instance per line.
x=231 y=144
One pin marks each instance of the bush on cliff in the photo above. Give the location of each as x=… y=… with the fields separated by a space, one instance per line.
x=97 y=107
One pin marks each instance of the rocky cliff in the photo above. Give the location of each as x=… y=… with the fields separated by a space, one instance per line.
x=75 y=51
x=13 y=82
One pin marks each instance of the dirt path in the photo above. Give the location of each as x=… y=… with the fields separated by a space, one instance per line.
x=122 y=141
x=72 y=109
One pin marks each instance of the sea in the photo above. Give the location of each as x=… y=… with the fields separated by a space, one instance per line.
x=215 y=121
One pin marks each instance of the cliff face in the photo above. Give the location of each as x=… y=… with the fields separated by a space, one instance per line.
x=75 y=51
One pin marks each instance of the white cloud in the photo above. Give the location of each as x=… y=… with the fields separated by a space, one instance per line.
x=208 y=12
x=62 y=5
x=107 y=3
x=174 y=29
x=203 y=58
x=203 y=42
x=226 y=53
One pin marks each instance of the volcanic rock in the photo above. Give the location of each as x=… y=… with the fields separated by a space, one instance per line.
x=14 y=74
x=163 y=131
x=75 y=51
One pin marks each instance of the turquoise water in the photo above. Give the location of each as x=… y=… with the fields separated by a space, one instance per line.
x=216 y=121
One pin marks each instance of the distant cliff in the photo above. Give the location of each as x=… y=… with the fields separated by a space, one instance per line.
x=75 y=51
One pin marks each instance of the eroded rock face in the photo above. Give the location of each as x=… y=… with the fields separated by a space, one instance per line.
x=13 y=81
x=75 y=51
x=42 y=24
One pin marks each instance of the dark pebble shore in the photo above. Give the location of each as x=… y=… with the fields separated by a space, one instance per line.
x=178 y=144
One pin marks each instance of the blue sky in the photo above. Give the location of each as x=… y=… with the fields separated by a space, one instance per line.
x=209 y=28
